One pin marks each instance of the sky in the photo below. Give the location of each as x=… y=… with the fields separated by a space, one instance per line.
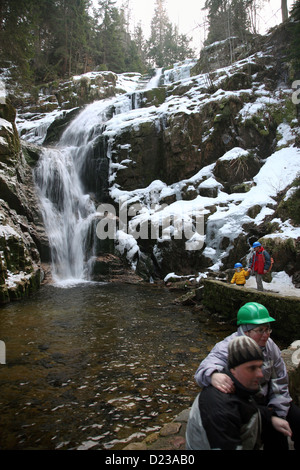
x=189 y=16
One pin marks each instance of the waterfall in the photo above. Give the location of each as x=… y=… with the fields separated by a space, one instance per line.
x=180 y=71
x=155 y=81
x=69 y=211
x=68 y=180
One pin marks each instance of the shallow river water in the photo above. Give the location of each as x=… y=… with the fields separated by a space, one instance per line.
x=96 y=365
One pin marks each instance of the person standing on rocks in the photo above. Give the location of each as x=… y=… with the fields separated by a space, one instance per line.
x=233 y=421
x=253 y=320
x=260 y=264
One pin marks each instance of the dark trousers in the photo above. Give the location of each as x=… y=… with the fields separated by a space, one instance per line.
x=274 y=440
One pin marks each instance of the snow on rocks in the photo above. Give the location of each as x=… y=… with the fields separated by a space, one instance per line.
x=231 y=210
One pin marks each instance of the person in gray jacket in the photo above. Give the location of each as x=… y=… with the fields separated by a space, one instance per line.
x=253 y=320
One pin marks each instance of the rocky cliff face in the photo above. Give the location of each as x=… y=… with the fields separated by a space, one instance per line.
x=204 y=140
x=22 y=236
x=211 y=135
x=174 y=145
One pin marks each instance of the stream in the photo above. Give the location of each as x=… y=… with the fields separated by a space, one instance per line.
x=96 y=365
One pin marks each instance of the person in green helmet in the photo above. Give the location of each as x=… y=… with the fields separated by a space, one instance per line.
x=253 y=320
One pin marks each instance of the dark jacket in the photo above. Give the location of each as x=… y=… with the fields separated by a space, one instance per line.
x=223 y=421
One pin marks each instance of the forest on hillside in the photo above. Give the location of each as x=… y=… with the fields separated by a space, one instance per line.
x=46 y=40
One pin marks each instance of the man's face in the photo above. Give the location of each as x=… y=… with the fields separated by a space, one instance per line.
x=249 y=374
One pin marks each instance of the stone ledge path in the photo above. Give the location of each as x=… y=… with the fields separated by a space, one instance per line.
x=170 y=437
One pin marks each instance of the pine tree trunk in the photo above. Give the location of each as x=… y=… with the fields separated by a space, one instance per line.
x=284 y=10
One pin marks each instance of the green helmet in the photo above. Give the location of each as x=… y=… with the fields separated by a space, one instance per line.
x=253 y=313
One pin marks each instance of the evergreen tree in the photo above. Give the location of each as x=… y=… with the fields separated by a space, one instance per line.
x=227 y=18
x=159 y=29
x=15 y=32
x=132 y=56
x=45 y=38
x=50 y=39
x=295 y=47
x=165 y=45
x=183 y=49
x=43 y=16
x=111 y=49
x=71 y=35
x=234 y=18
x=141 y=45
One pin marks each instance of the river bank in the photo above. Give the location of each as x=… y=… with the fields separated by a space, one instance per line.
x=171 y=437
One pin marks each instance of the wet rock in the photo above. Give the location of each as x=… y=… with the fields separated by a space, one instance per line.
x=31 y=152
x=136 y=446
x=187 y=299
x=56 y=129
x=296 y=279
x=151 y=438
x=9 y=139
x=43 y=347
x=57 y=379
x=170 y=429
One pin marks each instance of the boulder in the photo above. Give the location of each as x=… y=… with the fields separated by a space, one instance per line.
x=285 y=252
x=237 y=170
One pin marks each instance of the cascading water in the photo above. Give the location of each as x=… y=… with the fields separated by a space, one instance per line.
x=68 y=209
x=68 y=179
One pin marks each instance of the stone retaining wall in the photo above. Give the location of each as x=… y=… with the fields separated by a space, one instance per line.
x=226 y=299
